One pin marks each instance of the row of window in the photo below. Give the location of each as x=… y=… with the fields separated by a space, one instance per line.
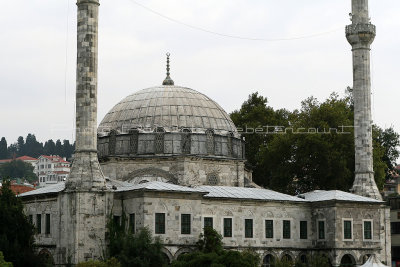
x=249 y=229
x=39 y=223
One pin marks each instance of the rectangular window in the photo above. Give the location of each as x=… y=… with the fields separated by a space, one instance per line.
x=303 y=229
x=39 y=223
x=132 y=222
x=248 y=228
x=227 y=227
x=321 y=229
x=160 y=223
x=47 y=224
x=185 y=224
x=368 y=230
x=347 y=231
x=208 y=222
x=269 y=228
x=395 y=227
x=286 y=229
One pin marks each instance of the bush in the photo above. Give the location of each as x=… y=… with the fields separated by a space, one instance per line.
x=113 y=262
x=3 y=263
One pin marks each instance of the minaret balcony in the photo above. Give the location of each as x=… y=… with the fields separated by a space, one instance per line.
x=360 y=34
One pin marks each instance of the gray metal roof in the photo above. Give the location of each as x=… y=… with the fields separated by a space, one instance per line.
x=159 y=186
x=322 y=195
x=247 y=193
x=170 y=107
x=55 y=188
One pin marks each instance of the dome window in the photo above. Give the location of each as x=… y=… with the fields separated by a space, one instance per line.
x=210 y=142
x=159 y=140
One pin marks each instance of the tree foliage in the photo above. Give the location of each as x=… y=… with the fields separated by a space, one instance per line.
x=211 y=253
x=139 y=250
x=310 y=148
x=31 y=147
x=112 y=262
x=16 y=232
x=17 y=169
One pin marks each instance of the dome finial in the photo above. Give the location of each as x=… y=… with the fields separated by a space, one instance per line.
x=168 y=80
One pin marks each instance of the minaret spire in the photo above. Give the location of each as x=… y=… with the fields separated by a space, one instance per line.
x=360 y=34
x=168 y=80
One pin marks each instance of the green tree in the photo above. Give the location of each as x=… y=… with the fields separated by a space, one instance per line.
x=211 y=253
x=317 y=150
x=113 y=262
x=17 y=169
x=3 y=263
x=16 y=232
x=3 y=148
x=20 y=146
x=140 y=249
x=68 y=149
x=32 y=147
x=50 y=147
x=59 y=148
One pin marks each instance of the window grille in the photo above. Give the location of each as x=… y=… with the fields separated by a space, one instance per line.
x=321 y=230
x=185 y=224
x=160 y=223
x=303 y=229
x=248 y=228
x=208 y=222
x=210 y=142
x=227 y=227
x=286 y=229
x=347 y=230
x=367 y=230
x=269 y=229
x=212 y=179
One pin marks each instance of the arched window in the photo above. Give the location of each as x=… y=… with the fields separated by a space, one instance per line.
x=347 y=261
x=133 y=141
x=268 y=261
x=159 y=140
x=210 y=142
x=186 y=141
x=229 y=144
x=112 y=142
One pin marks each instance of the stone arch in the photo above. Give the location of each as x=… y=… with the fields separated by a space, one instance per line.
x=46 y=256
x=167 y=254
x=150 y=174
x=228 y=213
x=268 y=259
x=302 y=257
x=347 y=260
x=182 y=251
x=288 y=256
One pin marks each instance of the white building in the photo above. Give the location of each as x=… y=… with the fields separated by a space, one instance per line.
x=51 y=169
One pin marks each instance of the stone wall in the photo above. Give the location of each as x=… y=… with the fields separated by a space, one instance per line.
x=184 y=170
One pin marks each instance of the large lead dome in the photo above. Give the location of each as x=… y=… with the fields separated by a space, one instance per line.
x=171 y=107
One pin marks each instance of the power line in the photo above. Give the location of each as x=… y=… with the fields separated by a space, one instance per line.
x=233 y=36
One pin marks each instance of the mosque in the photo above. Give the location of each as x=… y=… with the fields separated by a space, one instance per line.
x=171 y=159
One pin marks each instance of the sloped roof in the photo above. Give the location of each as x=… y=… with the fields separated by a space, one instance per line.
x=55 y=188
x=322 y=195
x=246 y=193
x=159 y=186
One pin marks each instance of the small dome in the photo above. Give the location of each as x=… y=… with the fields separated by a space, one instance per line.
x=171 y=107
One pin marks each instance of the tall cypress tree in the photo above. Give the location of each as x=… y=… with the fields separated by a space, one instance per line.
x=3 y=148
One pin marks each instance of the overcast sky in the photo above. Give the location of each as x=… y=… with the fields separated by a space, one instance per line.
x=38 y=55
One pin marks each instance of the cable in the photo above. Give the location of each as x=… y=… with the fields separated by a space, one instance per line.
x=234 y=36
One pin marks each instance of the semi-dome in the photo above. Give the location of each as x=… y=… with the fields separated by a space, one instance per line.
x=173 y=108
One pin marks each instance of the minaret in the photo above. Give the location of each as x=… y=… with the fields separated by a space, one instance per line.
x=85 y=170
x=360 y=34
x=84 y=205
